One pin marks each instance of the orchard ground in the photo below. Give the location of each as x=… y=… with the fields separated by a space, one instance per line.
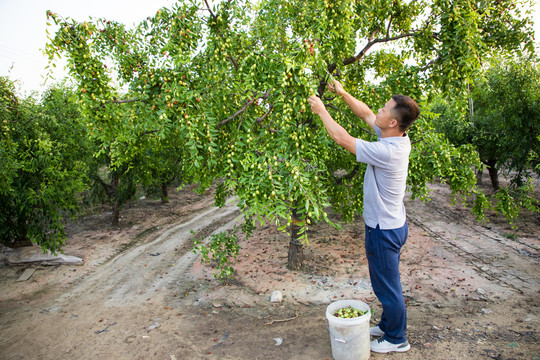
x=472 y=289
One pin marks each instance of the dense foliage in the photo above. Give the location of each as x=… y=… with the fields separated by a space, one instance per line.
x=42 y=173
x=222 y=92
x=502 y=126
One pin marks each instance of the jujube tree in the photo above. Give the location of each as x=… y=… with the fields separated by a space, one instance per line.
x=502 y=126
x=43 y=168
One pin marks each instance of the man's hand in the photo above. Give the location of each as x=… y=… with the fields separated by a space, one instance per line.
x=317 y=105
x=336 y=87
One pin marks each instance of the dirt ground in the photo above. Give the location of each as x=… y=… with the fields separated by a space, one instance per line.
x=472 y=289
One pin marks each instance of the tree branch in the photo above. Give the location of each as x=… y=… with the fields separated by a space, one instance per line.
x=389 y=25
x=322 y=84
x=244 y=108
x=350 y=175
x=233 y=60
x=107 y=187
x=148 y=132
x=116 y=101
x=368 y=46
x=283 y=320
x=425 y=67
x=210 y=10
x=261 y=119
x=417 y=141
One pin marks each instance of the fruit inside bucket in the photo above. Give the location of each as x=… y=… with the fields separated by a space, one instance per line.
x=349 y=312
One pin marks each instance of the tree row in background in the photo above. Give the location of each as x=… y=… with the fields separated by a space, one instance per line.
x=43 y=154
x=49 y=172
x=501 y=122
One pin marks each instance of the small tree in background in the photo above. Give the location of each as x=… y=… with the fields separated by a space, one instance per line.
x=42 y=172
x=502 y=125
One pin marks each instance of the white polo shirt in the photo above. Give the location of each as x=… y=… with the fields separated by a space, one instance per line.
x=385 y=179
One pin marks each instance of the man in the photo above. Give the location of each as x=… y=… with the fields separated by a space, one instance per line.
x=387 y=162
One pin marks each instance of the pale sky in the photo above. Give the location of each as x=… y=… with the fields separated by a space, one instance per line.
x=23 y=25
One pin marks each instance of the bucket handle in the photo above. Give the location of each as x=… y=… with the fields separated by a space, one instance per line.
x=340 y=340
x=335 y=338
x=343 y=341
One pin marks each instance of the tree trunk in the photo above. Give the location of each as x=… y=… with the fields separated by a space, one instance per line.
x=493 y=174
x=21 y=239
x=116 y=214
x=479 y=175
x=296 y=248
x=164 y=193
x=19 y=243
x=115 y=180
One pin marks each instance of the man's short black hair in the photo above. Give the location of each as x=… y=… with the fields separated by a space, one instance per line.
x=406 y=111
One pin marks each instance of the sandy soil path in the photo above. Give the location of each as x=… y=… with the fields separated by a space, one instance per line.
x=471 y=290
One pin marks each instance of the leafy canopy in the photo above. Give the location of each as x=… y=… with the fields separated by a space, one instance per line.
x=230 y=82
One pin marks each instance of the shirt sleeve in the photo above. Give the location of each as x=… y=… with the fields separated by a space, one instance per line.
x=373 y=153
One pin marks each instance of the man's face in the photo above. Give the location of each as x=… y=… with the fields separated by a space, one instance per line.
x=385 y=116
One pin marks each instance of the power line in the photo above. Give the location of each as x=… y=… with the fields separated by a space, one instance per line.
x=15 y=55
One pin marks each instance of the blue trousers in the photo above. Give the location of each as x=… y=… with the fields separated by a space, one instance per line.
x=383 y=249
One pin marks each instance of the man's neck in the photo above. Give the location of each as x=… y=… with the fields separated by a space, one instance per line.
x=391 y=132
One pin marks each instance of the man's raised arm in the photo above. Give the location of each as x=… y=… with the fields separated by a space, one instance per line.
x=358 y=107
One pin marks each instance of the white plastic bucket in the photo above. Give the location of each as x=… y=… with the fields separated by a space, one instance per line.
x=349 y=337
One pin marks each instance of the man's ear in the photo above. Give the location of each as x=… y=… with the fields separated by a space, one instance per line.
x=393 y=123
